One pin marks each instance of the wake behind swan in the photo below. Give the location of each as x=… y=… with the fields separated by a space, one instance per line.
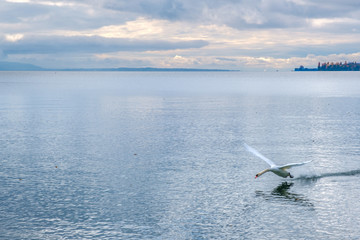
x=324 y=175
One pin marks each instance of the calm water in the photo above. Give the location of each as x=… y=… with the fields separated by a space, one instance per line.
x=160 y=155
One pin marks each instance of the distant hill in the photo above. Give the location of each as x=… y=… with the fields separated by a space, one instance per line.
x=146 y=69
x=14 y=66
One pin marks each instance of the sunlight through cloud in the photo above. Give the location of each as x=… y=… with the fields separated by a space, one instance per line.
x=13 y=37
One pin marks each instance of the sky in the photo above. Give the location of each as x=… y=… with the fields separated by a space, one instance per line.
x=246 y=35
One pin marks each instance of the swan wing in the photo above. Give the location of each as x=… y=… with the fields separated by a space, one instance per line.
x=290 y=165
x=256 y=153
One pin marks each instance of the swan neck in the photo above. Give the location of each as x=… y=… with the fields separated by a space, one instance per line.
x=262 y=172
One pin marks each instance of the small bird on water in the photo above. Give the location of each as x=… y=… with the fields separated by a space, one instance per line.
x=278 y=170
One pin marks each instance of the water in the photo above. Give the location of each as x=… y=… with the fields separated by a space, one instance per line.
x=160 y=155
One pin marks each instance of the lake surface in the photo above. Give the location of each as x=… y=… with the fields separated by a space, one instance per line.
x=159 y=155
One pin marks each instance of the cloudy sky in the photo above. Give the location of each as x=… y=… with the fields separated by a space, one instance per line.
x=226 y=34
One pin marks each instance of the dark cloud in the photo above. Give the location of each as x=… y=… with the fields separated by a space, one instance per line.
x=2 y=54
x=165 y=9
x=83 y=44
x=283 y=14
x=32 y=17
x=226 y=59
x=15 y=13
x=241 y=14
x=323 y=50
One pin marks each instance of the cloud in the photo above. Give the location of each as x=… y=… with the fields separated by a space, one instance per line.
x=164 y=9
x=204 y=33
x=13 y=37
x=47 y=16
x=92 y=44
x=242 y=14
x=226 y=59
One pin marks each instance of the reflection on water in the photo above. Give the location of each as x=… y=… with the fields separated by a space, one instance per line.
x=281 y=192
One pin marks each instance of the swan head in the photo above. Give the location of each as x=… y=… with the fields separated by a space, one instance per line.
x=261 y=173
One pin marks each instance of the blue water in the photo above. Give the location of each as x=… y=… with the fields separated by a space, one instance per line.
x=133 y=155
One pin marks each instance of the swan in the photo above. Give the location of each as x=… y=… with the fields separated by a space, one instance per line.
x=278 y=170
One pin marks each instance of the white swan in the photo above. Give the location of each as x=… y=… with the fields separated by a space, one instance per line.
x=278 y=170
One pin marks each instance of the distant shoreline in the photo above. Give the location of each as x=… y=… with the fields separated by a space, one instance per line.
x=338 y=66
x=147 y=69
x=13 y=66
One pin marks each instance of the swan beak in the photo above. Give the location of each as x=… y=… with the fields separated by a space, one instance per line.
x=256 y=176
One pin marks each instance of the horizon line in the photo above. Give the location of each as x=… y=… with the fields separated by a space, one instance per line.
x=16 y=66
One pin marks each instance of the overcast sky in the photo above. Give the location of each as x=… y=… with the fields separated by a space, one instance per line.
x=226 y=34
